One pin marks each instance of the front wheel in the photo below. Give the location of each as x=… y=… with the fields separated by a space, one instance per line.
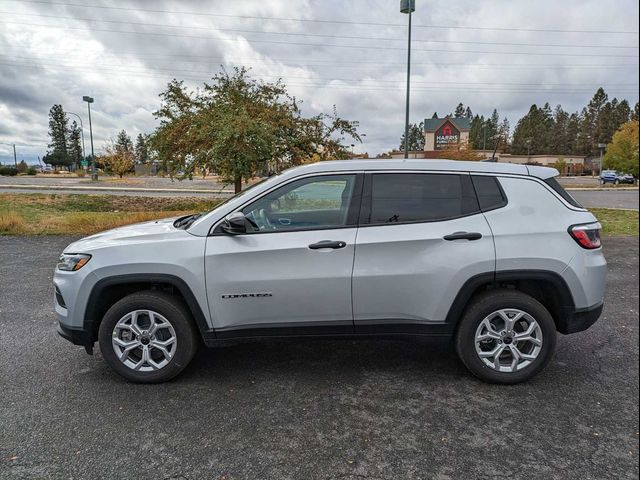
x=506 y=337
x=147 y=337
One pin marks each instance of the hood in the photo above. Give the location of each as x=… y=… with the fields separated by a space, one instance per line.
x=130 y=234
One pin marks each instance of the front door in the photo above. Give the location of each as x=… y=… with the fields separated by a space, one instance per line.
x=292 y=274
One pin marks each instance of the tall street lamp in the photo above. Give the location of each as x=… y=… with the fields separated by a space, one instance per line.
x=94 y=174
x=15 y=158
x=84 y=153
x=407 y=6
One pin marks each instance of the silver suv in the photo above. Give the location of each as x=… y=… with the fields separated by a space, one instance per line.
x=496 y=257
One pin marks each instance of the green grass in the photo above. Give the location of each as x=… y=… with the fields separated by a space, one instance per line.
x=617 y=222
x=60 y=214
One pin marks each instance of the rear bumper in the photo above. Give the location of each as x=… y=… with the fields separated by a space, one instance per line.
x=579 y=320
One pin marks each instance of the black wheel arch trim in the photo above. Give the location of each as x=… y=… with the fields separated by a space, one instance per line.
x=495 y=279
x=90 y=320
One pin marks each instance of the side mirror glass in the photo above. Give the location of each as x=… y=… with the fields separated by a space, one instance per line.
x=235 y=224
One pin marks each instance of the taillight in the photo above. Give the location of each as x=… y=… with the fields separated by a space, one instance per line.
x=586 y=235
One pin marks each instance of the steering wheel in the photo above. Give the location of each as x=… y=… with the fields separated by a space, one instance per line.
x=251 y=219
x=265 y=219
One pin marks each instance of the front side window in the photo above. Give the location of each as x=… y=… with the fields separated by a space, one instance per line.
x=418 y=197
x=309 y=203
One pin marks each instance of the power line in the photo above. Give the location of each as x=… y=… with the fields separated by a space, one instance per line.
x=323 y=45
x=184 y=58
x=569 y=89
x=320 y=35
x=340 y=22
x=132 y=69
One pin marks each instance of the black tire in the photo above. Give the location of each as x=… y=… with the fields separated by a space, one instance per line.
x=616 y=182
x=484 y=305
x=174 y=311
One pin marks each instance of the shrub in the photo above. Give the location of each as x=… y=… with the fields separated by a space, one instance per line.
x=9 y=171
x=32 y=171
x=23 y=167
x=80 y=173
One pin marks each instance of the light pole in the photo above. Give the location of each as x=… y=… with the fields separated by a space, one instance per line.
x=407 y=6
x=528 y=149
x=84 y=153
x=15 y=158
x=94 y=175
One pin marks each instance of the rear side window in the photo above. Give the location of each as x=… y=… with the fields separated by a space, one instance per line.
x=490 y=194
x=417 y=197
x=553 y=183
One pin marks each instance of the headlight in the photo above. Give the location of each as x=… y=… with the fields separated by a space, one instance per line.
x=70 y=262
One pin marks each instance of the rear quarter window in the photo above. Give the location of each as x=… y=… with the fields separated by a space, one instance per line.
x=489 y=192
x=555 y=185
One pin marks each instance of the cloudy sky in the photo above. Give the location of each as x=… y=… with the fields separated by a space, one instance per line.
x=490 y=54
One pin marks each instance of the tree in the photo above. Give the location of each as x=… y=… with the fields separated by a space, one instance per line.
x=141 y=149
x=636 y=112
x=622 y=152
x=123 y=142
x=460 y=111
x=117 y=158
x=459 y=151
x=23 y=167
x=560 y=165
x=416 y=137
x=74 y=147
x=57 y=154
x=240 y=127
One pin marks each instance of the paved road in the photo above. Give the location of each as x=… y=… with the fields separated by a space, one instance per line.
x=607 y=198
x=380 y=409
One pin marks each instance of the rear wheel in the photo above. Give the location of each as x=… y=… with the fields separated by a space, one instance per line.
x=147 y=337
x=506 y=337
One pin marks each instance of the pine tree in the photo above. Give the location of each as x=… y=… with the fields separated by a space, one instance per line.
x=58 y=133
x=460 y=111
x=416 y=137
x=123 y=142
x=636 y=112
x=74 y=147
x=142 y=151
x=468 y=113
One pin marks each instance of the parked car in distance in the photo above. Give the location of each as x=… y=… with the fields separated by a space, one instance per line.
x=496 y=257
x=611 y=176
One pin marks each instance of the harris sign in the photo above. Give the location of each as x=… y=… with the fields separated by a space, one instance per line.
x=446 y=135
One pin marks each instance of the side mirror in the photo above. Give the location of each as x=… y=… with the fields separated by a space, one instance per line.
x=235 y=224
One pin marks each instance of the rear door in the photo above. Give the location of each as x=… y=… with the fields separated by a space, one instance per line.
x=421 y=237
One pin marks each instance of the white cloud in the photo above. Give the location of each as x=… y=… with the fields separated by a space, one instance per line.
x=40 y=65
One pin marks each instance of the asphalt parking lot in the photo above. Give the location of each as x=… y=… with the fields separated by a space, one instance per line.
x=378 y=409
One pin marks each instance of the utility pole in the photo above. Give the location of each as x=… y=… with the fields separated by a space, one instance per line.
x=407 y=6
x=15 y=158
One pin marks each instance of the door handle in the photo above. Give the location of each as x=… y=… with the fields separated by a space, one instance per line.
x=328 y=244
x=463 y=236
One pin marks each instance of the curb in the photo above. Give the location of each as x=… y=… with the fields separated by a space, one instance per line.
x=598 y=189
x=115 y=189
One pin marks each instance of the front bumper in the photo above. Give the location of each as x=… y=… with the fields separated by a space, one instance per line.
x=77 y=337
x=579 y=320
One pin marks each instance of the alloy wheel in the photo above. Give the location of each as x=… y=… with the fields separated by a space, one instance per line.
x=144 y=340
x=508 y=340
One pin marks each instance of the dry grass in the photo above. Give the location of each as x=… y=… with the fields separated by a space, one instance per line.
x=40 y=214
x=11 y=223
